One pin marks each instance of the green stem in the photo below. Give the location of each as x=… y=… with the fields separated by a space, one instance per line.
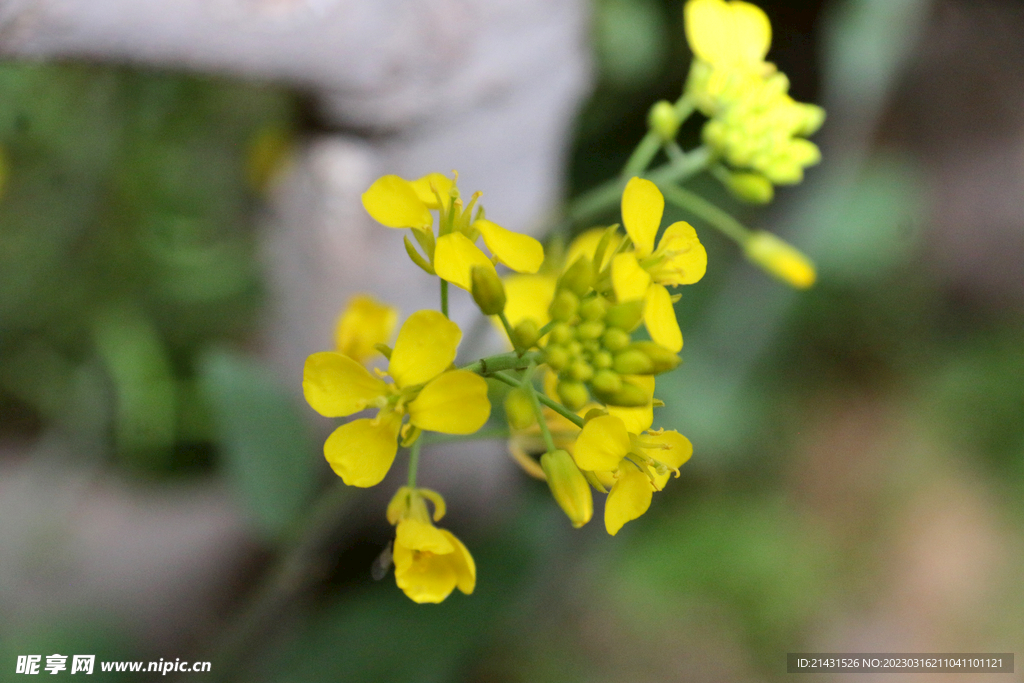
x=508 y=331
x=554 y=405
x=414 y=462
x=527 y=385
x=642 y=156
x=504 y=361
x=706 y=211
x=595 y=202
x=444 y=297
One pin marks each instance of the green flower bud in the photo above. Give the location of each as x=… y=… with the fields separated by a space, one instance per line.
x=580 y=370
x=561 y=333
x=662 y=359
x=591 y=329
x=750 y=187
x=574 y=348
x=579 y=277
x=664 y=120
x=603 y=359
x=594 y=309
x=633 y=362
x=525 y=334
x=625 y=316
x=564 y=305
x=573 y=394
x=487 y=290
x=629 y=396
x=615 y=339
x=606 y=383
x=519 y=409
x=556 y=356
x=568 y=486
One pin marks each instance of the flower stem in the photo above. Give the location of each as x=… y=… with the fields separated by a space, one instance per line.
x=504 y=361
x=554 y=405
x=414 y=462
x=706 y=211
x=531 y=391
x=444 y=297
x=642 y=156
x=508 y=331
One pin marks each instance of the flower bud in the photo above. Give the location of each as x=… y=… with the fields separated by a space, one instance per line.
x=525 y=334
x=556 y=356
x=633 y=361
x=573 y=394
x=664 y=120
x=519 y=409
x=606 y=383
x=602 y=359
x=561 y=333
x=579 y=277
x=625 y=316
x=663 y=359
x=615 y=339
x=581 y=370
x=629 y=396
x=594 y=309
x=781 y=259
x=487 y=290
x=564 y=305
x=568 y=486
x=591 y=329
x=750 y=187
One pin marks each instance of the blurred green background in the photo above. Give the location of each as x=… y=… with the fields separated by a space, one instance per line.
x=859 y=460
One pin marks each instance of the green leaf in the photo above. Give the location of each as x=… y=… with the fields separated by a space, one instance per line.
x=267 y=452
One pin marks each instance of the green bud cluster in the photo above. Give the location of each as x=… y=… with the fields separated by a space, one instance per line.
x=590 y=347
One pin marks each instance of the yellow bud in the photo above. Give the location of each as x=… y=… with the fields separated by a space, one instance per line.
x=662 y=359
x=750 y=187
x=568 y=486
x=519 y=409
x=664 y=120
x=564 y=305
x=573 y=394
x=526 y=333
x=633 y=362
x=488 y=291
x=781 y=259
x=591 y=329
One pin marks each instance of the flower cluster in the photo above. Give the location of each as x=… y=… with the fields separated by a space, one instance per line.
x=754 y=125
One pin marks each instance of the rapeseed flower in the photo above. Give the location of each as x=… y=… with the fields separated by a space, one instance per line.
x=424 y=388
x=452 y=254
x=429 y=562
x=363 y=325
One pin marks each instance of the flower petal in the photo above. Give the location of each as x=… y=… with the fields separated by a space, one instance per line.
x=602 y=444
x=519 y=252
x=672 y=448
x=454 y=403
x=454 y=258
x=364 y=323
x=425 y=347
x=660 y=319
x=361 y=452
x=393 y=202
x=424 y=577
x=685 y=260
x=642 y=206
x=629 y=498
x=337 y=386
x=733 y=34
x=629 y=280
x=586 y=245
x=640 y=418
x=426 y=195
x=528 y=296
x=422 y=536
x=463 y=564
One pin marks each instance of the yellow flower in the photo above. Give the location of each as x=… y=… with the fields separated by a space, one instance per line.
x=429 y=562
x=399 y=203
x=680 y=259
x=729 y=35
x=635 y=463
x=434 y=397
x=364 y=323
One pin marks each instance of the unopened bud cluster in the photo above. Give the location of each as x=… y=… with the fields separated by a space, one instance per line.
x=590 y=347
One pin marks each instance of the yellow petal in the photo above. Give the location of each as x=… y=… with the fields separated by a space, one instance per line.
x=422 y=187
x=528 y=296
x=422 y=536
x=425 y=347
x=660 y=319
x=642 y=206
x=671 y=448
x=629 y=498
x=424 y=576
x=337 y=386
x=727 y=34
x=640 y=418
x=364 y=323
x=586 y=245
x=684 y=259
x=519 y=252
x=454 y=403
x=463 y=564
x=629 y=280
x=602 y=444
x=361 y=452
x=454 y=258
x=393 y=202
